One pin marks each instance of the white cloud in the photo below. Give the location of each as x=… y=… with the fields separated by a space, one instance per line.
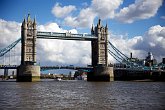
x=10 y=31
x=84 y=19
x=105 y=8
x=102 y=8
x=162 y=17
x=153 y=40
x=125 y=45
x=61 y=12
x=49 y=27
x=61 y=51
x=85 y=4
x=141 y=9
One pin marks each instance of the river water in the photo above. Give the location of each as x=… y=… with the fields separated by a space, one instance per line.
x=82 y=95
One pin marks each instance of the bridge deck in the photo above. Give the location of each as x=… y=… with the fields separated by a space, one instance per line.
x=49 y=67
x=77 y=68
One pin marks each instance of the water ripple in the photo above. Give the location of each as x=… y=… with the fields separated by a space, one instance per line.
x=82 y=95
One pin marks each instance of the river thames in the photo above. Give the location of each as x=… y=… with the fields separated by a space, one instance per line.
x=82 y=95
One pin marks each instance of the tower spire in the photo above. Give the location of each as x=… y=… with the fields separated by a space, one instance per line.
x=28 y=18
x=34 y=22
x=106 y=27
x=24 y=20
x=92 y=29
x=24 y=24
x=99 y=21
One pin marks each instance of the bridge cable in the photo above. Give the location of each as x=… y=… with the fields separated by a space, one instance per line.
x=114 y=54
x=117 y=50
x=126 y=59
x=8 y=48
x=120 y=53
x=114 y=57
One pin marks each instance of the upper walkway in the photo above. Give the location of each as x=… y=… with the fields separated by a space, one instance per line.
x=65 y=36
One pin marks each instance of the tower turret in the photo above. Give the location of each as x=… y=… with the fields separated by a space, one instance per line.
x=99 y=24
x=24 y=23
x=92 y=30
x=28 y=18
x=34 y=23
x=106 y=28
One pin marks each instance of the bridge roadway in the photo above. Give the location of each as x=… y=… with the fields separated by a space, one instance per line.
x=138 y=69
x=43 y=68
x=65 y=36
x=8 y=66
x=66 y=67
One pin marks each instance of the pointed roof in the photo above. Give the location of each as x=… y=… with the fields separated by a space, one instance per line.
x=28 y=18
x=34 y=22
x=106 y=26
x=24 y=20
x=92 y=29
x=99 y=22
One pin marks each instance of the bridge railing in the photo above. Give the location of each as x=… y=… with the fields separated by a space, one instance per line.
x=43 y=68
x=67 y=34
x=40 y=33
x=8 y=66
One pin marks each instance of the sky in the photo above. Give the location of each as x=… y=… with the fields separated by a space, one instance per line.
x=136 y=26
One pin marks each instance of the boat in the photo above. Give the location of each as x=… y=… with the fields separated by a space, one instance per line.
x=57 y=79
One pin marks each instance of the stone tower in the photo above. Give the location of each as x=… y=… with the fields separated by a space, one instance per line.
x=99 y=46
x=101 y=70
x=28 y=70
x=28 y=34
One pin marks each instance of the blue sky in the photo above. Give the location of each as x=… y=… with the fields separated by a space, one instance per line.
x=136 y=26
x=15 y=10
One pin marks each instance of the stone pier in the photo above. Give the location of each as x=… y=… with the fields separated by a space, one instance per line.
x=28 y=73
x=101 y=74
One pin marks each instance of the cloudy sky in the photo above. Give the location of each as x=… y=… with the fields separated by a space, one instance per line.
x=136 y=26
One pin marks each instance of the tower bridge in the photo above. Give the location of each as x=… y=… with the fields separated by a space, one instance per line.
x=99 y=70
x=29 y=71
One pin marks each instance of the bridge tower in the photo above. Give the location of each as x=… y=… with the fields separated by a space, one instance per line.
x=28 y=70
x=102 y=72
